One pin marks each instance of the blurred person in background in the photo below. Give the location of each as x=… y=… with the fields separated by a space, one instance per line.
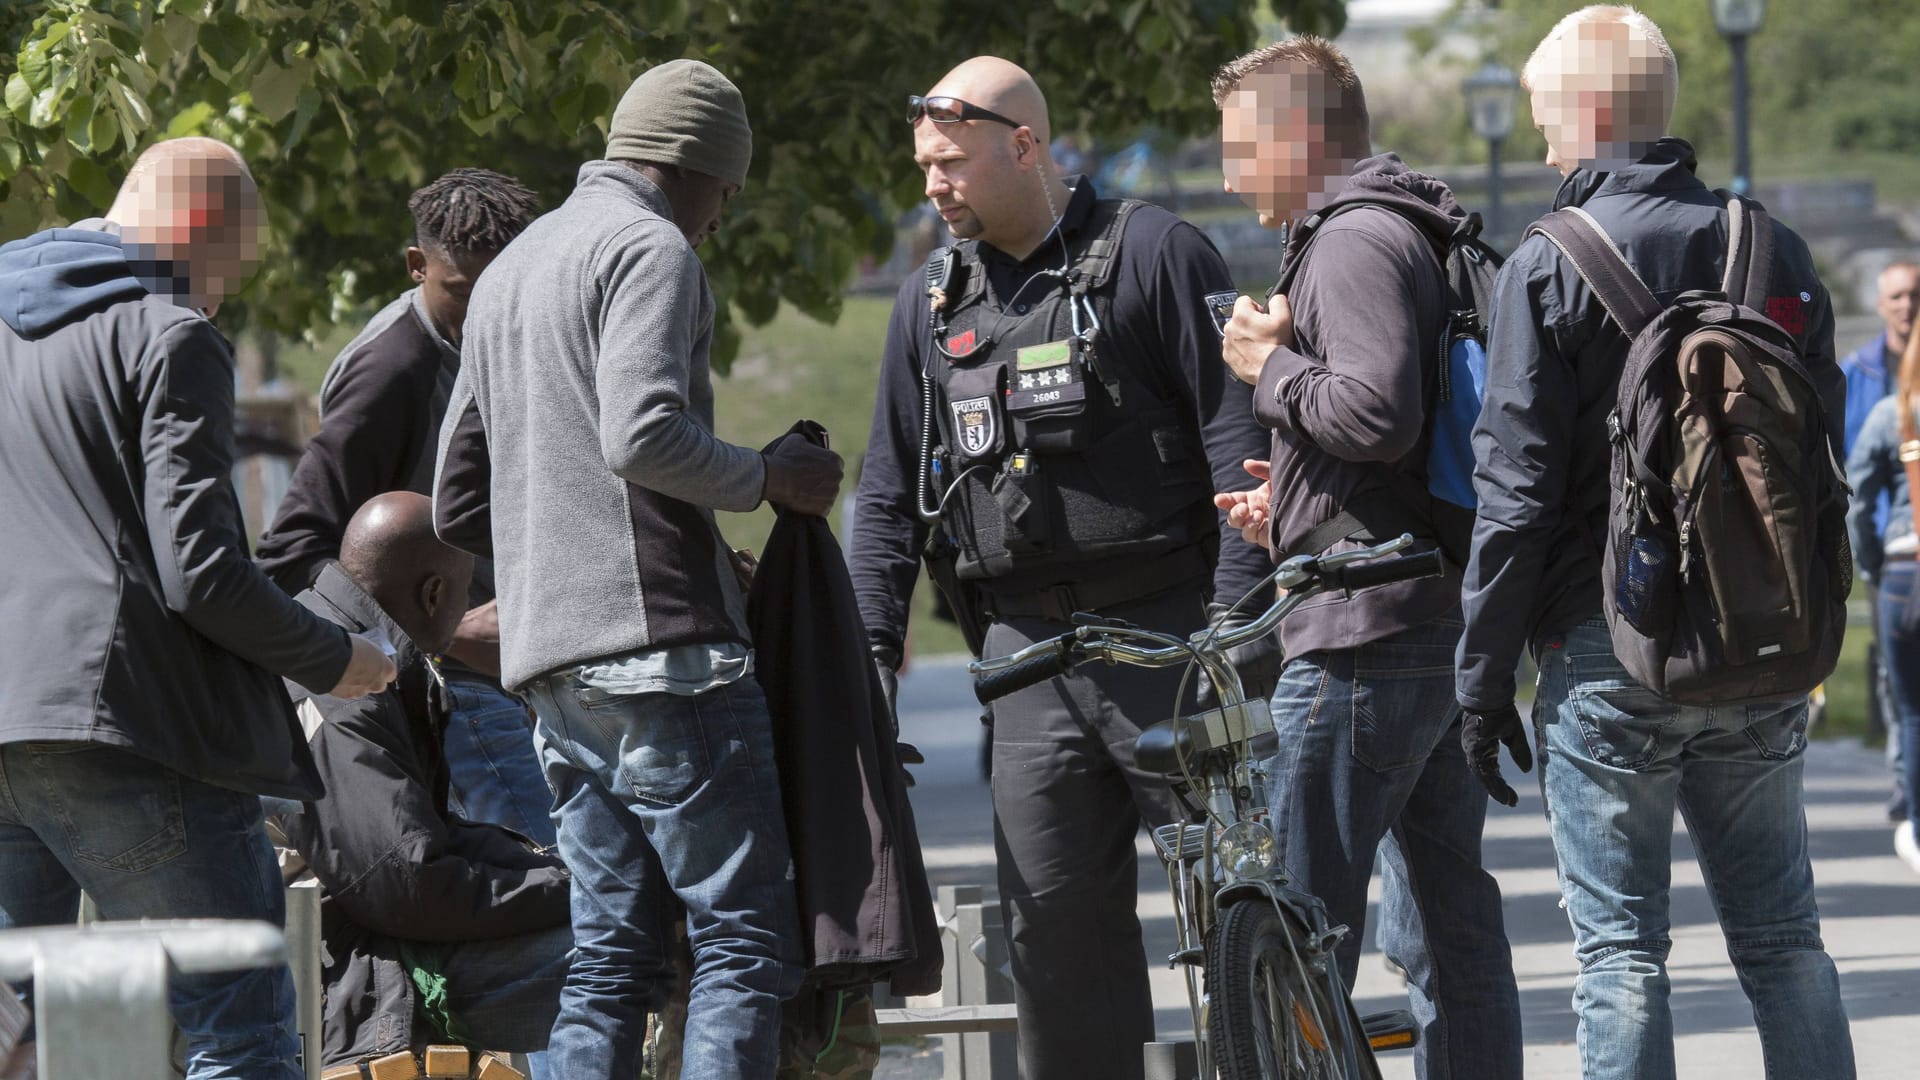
x=1871 y=371
x=1882 y=467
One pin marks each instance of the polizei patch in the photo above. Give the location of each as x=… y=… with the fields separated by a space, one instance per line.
x=1220 y=306
x=973 y=420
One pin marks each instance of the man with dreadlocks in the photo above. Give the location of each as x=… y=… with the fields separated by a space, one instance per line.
x=380 y=408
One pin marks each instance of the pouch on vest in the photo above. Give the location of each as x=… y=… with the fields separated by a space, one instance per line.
x=1047 y=398
x=974 y=409
x=1021 y=491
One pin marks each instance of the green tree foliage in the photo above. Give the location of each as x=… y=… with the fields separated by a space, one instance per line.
x=1833 y=77
x=345 y=106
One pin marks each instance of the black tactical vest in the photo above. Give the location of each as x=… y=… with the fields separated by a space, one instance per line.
x=1059 y=454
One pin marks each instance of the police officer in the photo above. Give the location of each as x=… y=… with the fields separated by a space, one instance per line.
x=1066 y=357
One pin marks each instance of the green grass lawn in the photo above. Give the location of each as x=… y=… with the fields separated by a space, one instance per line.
x=1847 y=689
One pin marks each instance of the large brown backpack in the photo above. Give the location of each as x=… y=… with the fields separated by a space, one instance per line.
x=1726 y=565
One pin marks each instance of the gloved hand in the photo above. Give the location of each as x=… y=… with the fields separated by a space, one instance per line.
x=886 y=661
x=1481 y=734
x=1259 y=662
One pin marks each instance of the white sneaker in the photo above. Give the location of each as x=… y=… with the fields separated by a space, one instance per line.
x=1905 y=846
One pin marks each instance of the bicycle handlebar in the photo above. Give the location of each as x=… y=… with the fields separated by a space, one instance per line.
x=1301 y=576
x=1404 y=568
x=1057 y=660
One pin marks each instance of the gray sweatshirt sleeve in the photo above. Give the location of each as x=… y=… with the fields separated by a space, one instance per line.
x=1364 y=402
x=656 y=324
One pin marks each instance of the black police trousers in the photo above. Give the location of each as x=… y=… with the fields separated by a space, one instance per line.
x=1067 y=806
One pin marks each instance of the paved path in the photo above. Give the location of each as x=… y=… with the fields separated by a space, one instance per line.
x=1869 y=900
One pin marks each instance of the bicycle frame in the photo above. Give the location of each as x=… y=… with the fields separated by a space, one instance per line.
x=1220 y=770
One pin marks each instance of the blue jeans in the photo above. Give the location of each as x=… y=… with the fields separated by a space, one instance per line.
x=148 y=843
x=508 y=990
x=495 y=772
x=1615 y=761
x=1369 y=761
x=665 y=803
x=1900 y=646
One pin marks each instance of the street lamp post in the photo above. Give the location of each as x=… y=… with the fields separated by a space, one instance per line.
x=1738 y=20
x=1490 y=93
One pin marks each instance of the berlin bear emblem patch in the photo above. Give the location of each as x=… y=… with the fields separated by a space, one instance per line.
x=973 y=420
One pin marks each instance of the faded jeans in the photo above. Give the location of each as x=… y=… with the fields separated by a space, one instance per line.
x=1616 y=760
x=494 y=770
x=1900 y=648
x=667 y=803
x=148 y=843
x=1369 y=761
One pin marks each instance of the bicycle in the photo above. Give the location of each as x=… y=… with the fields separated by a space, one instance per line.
x=1262 y=983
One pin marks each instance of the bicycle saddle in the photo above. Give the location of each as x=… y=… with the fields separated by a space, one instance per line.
x=1160 y=748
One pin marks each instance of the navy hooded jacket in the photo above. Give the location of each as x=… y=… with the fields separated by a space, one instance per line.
x=130 y=614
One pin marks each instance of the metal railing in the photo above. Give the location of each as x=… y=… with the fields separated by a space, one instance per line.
x=100 y=991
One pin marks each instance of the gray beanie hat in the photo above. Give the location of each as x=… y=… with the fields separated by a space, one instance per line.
x=683 y=113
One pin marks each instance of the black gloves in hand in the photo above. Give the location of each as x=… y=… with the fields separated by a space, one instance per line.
x=886 y=661
x=1481 y=734
x=1259 y=662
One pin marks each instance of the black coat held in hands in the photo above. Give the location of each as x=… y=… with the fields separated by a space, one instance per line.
x=865 y=906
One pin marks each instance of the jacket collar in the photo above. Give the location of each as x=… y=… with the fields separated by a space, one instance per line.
x=449 y=352
x=350 y=607
x=1667 y=167
x=623 y=182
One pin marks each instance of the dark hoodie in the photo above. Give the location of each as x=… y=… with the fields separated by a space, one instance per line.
x=130 y=614
x=1553 y=373
x=1347 y=404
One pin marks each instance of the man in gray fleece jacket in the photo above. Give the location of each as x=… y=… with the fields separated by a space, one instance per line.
x=1369 y=732
x=578 y=451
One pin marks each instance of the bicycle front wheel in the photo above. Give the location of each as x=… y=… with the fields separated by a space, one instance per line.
x=1270 y=1016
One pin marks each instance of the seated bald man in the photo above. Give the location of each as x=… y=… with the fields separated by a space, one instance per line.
x=416 y=900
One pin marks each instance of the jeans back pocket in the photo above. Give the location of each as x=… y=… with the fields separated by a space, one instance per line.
x=658 y=745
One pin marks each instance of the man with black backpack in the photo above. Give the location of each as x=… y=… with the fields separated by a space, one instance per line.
x=1349 y=365
x=1661 y=518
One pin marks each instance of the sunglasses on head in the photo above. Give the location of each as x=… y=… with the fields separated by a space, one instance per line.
x=950 y=110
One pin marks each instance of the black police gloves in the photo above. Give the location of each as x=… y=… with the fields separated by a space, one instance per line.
x=886 y=661
x=1481 y=734
x=1259 y=662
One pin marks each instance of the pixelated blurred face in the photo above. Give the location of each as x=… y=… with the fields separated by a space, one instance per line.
x=1600 y=101
x=203 y=237
x=1899 y=299
x=1274 y=145
x=968 y=167
x=446 y=283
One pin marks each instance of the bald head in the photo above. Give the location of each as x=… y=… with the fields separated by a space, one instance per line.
x=1000 y=85
x=189 y=214
x=390 y=551
x=992 y=182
